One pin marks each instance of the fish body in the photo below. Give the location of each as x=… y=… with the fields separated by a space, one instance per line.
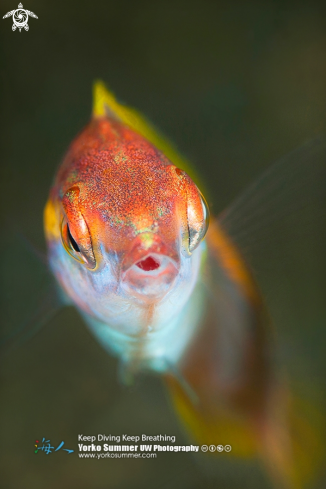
x=130 y=246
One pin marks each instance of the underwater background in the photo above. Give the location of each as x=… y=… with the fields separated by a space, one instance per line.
x=235 y=85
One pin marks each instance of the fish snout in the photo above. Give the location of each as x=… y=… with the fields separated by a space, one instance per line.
x=150 y=267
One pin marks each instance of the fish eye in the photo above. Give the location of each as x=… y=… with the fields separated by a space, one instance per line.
x=72 y=242
x=75 y=234
x=197 y=211
x=69 y=242
x=73 y=249
x=197 y=230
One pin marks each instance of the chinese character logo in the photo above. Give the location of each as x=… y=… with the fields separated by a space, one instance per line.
x=20 y=18
x=48 y=448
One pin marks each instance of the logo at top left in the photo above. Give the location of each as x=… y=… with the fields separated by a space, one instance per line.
x=20 y=18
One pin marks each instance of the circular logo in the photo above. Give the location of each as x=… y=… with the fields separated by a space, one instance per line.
x=20 y=17
x=204 y=448
x=228 y=448
x=220 y=448
x=212 y=448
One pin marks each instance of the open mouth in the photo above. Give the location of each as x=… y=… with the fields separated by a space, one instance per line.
x=150 y=277
x=148 y=264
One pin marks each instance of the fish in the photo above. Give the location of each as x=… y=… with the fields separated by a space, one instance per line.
x=163 y=287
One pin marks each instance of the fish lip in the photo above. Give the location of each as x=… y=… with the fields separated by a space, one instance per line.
x=153 y=284
x=149 y=285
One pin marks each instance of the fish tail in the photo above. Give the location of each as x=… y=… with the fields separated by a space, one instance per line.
x=292 y=447
x=288 y=440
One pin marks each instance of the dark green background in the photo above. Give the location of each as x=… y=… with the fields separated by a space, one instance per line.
x=235 y=85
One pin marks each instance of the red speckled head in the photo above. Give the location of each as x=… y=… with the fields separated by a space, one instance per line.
x=118 y=202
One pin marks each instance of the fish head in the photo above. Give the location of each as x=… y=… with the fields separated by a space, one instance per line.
x=124 y=225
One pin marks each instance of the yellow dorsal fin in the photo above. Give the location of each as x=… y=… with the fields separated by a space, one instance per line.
x=104 y=102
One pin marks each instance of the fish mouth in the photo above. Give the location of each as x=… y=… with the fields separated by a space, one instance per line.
x=149 y=269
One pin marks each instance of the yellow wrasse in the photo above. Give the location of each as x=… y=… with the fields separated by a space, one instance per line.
x=129 y=243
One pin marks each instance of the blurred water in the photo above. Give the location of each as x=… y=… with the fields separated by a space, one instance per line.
x=235 y=85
